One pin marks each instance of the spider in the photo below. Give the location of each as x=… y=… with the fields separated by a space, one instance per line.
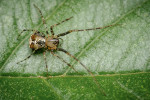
x=51 y=42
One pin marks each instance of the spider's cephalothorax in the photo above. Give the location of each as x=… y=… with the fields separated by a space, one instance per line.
x=38 y=41
x=51 y=42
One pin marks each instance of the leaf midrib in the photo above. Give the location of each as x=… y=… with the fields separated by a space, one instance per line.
x=73 y=76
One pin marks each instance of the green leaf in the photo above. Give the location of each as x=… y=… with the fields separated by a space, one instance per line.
x=118 y=56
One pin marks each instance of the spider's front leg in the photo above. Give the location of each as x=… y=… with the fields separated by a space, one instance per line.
x=43 y=20
x=51 y=28
x=89 y=29
x=34 y=31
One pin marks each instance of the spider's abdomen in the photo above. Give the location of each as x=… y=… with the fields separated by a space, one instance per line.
x=37 y=41
x=52 y=43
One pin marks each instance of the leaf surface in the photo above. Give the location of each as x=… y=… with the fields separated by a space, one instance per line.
x=118 y=56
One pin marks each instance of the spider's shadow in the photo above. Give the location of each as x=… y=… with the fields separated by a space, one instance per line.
x=40 y=51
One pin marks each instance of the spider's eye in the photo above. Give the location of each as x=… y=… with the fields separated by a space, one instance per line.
x=55 y=41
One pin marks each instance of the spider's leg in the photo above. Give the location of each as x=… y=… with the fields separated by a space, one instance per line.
x=63 y=61
x=26 y=30
x=35 y=31
x=43 y=20
x=45 y=62
x=51 y=28
x=76 y=30
x=26 y=57
x=60 y=49
x=66 y=52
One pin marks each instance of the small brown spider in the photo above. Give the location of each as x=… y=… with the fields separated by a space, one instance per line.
x=50 y=42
